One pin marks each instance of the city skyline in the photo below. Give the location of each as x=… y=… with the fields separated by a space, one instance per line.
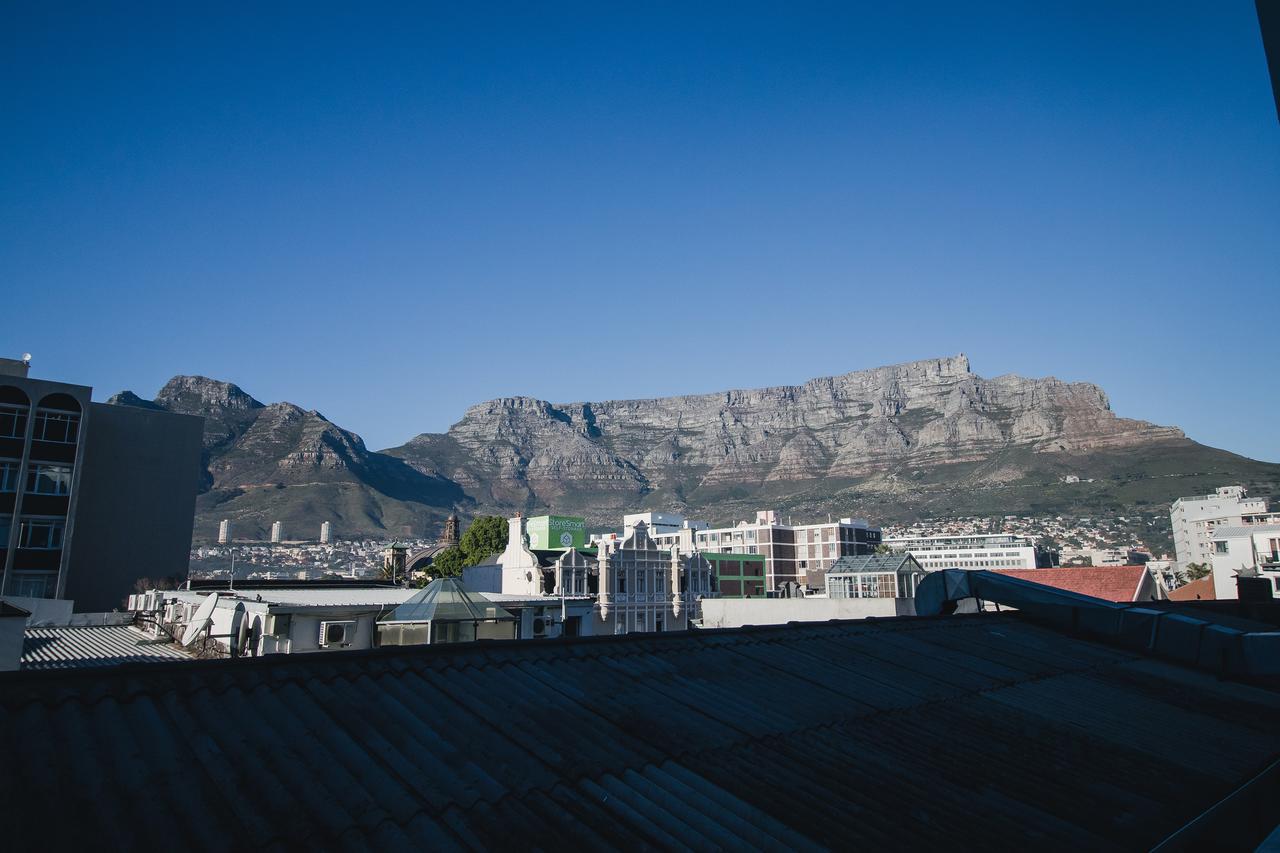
x=389 y=219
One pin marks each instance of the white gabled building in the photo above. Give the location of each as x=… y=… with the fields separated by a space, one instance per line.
x=636 y=584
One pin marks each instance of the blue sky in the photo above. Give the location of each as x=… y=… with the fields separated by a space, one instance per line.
x=391 y=213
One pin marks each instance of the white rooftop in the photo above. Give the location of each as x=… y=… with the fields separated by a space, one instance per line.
x=103 y=645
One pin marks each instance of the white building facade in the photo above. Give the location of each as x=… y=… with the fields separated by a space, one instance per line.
x=979 y=551
x=1245 y=549
x=1194 y=520
x=793 y=553
x=636 y=583
x=660 y=523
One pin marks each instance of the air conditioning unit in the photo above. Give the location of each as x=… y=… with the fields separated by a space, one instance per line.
x=133 y=603
x=337 y=635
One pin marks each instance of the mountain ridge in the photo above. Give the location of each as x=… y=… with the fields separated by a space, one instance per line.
x=926 y=437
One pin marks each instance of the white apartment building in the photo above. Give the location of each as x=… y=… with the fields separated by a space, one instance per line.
x=800 y=553
x=660 y=523
x=978 y=551
x=1245 y=548
x=1195 y=518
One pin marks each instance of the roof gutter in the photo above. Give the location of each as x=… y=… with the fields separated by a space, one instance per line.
x=1187 y=639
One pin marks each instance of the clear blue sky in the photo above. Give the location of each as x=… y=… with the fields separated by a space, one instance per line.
x=390 y=214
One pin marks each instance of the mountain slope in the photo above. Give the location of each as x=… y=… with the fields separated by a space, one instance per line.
x=265 y=463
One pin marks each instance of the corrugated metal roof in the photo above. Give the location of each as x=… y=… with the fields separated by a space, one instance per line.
x=67 y=648
x=957 y=733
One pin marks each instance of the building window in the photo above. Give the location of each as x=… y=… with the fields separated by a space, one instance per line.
x=8 y=475
x=59 y=427
x=32 y=585
x=1220 y=547
x=13 y=422
x=44 y=534
x=44 y=479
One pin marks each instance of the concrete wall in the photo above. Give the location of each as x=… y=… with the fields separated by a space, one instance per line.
x=44 y=611
x=11 y=636
x=136 y=503
x=736 y=612
x=482 y=578
x=1240 y=555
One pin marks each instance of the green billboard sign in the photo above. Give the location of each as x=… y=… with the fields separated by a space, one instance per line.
x=556 y=532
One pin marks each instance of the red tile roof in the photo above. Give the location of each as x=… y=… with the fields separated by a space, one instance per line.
x=1110 y=583
x=1201 y=589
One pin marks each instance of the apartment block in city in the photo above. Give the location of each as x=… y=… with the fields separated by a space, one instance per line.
x=793 y=553
x=1194 y=520
x=92 y=496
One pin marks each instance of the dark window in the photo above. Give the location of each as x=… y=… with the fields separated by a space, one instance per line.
x=57 y=427
x=13 y=422
x=41 y=533
x=9 y=475
x=32 y=585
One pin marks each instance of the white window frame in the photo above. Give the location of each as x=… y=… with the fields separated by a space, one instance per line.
x=25 y=524
x=33 y=477
x=42 y=417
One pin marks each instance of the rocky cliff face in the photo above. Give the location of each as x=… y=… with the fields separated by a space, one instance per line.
x=926 y=438
x=924 y=414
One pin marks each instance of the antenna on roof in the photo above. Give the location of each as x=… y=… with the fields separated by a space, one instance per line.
x=201 y=620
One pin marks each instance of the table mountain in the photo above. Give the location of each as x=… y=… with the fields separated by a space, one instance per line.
x=926 y=438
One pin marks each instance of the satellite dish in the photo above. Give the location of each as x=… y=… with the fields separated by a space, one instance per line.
x=200 y=620
x=26 y=356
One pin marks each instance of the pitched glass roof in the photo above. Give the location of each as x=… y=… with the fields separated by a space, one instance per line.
x=444 y=600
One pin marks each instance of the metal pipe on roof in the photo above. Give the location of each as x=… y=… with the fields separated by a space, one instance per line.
x=1199 y=642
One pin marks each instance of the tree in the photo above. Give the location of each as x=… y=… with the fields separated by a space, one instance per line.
x=166 y=583
x=486 y=535
x=882 y=548
x=448 y=563
x=1195 y=571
